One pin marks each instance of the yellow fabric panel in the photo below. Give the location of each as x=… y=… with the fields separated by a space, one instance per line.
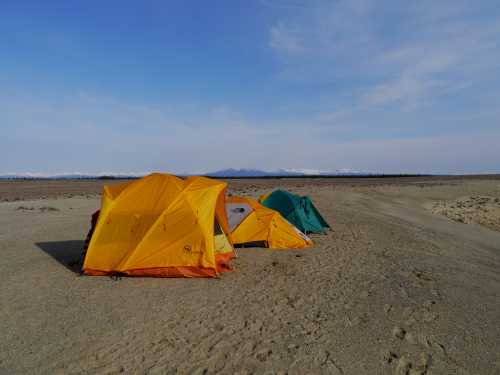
x=202 y=194
x=255 y=227
x=285 y=235
x=264 y=224
x=222 y=244
x=196 y=182
x=127 y=213
x=184 y=234
x=250 y=230
x=112 y=191
x=176 y=239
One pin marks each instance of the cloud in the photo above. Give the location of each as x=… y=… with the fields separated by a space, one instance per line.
x=282 y=39
x=455 y=154
x=93 y=134
x=360 y=84
x=411 y=90
x=287 y=4
x=393 y=53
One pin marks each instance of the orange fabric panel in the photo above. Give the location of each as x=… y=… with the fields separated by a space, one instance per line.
x=222 y=266
x=90 y=272
x=223 y=261
x=158 y=272
x=174 y=272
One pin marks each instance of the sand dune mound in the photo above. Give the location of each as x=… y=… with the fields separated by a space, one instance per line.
x=483 y=210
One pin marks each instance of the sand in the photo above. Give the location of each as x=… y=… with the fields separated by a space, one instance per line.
x=483 y=210
x=399 y=286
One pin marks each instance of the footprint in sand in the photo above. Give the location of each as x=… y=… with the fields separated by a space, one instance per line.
x=421 y=275
x=263 y=354
x=332 y=368
x=410 y=338
x=356 y=320
x=398 y=333
x=403 y=366
x=389 y=357
x=429 y=316
x=406 y=367
x=409 y=316
x=423 y=340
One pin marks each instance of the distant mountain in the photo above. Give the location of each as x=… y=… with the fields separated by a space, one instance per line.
x=318 y=172
x=231 y=172
x=67 y=176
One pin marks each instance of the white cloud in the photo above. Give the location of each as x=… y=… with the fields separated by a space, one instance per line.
x=394 y=53
x=287 y=4
x=285 y=40
x=377 y=86
x=409 y=89
x=93 y=134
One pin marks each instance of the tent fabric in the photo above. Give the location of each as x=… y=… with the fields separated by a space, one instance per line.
x=161 y=226
x=299 y=210
x=260 y=224
x=237 y=212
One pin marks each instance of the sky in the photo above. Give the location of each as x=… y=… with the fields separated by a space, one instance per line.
x=196 y=86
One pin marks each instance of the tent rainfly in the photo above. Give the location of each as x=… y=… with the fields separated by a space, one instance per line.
x=298 y=210
x=252 y=224
x=161 y=226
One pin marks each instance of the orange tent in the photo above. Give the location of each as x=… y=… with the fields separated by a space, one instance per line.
x=161 y=226
x=250 y=223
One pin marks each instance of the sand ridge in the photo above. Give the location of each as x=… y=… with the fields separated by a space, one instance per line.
x=482 y=210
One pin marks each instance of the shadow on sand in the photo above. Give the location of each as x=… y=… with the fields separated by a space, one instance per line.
x=68 y=253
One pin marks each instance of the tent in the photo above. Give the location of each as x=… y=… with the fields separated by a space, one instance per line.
x=251 y=224
x=163 y=226
x=299 y=210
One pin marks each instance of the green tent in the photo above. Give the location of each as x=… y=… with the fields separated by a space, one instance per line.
x=299 y=211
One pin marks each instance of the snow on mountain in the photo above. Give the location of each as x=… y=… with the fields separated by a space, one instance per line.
x=231 y=172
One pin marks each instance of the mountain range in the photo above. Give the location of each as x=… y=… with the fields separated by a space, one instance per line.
x=231 y=172
x=224 y=173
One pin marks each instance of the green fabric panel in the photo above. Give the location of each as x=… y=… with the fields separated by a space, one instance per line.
x=322 y=222
x=300 y=211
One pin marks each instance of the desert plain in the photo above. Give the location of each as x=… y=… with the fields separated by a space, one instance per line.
x=406 y=282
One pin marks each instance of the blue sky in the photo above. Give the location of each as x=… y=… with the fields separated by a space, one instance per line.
x=196 y=86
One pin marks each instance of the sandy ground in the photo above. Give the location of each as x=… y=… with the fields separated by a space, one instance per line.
x=483 y=210
x=399 y=286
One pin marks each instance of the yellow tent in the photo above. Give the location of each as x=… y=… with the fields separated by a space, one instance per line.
x=250 y=223
x=161 y=226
